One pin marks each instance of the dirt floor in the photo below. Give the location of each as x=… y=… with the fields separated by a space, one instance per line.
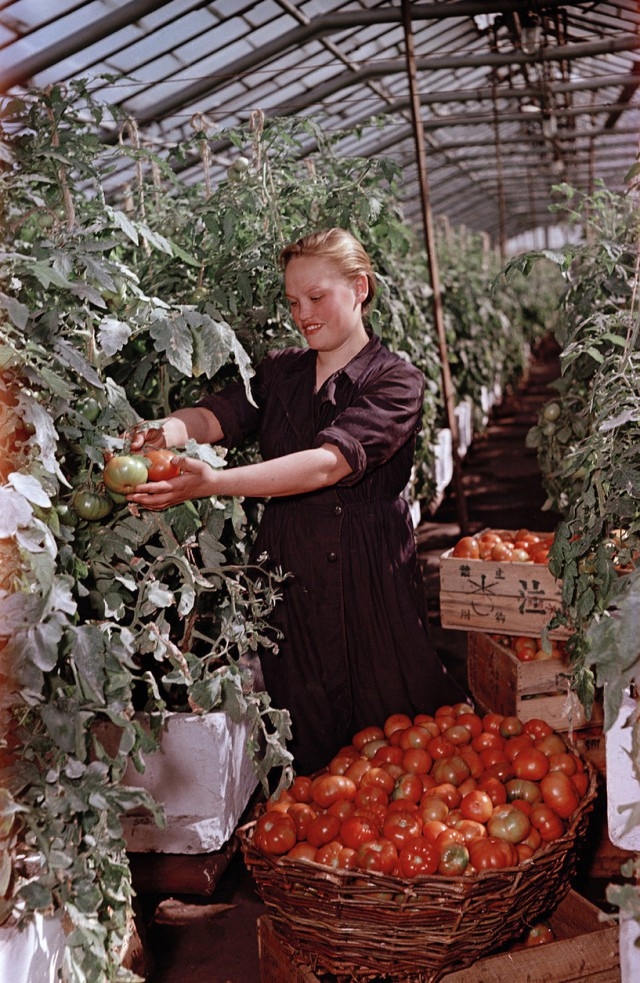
x=198 y=925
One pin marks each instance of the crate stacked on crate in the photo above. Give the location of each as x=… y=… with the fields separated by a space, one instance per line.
x=505 y=594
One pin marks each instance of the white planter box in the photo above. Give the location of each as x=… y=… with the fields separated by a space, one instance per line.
x=203 y=778
x=33 y=954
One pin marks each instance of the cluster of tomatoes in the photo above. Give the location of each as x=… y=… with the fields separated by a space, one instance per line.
x=122 y=474
x=504 y=546
x=530 y=649
x=450 y=793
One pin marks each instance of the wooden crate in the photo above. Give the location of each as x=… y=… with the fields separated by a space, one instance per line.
x=510 y=598
x=585 y=950
x=502 y=683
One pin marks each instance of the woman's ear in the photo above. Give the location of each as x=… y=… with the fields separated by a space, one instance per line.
x=361 y=287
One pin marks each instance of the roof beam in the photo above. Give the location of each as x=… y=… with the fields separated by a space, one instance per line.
x=119 y=17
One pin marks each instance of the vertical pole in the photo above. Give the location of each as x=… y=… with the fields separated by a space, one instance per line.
x=427 y=219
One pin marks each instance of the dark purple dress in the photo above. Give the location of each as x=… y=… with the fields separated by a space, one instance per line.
x=355 y=646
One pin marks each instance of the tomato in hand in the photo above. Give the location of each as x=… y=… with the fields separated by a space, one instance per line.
x=162 y=464
x=122 y=473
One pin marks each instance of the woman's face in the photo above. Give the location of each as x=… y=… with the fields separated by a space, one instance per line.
x=325 y=306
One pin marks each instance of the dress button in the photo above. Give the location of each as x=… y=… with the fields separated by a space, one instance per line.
x=337 y=510
x=332 y=557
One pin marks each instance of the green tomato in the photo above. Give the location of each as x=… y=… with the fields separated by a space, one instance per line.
x=90 y=408
x=551 y=412
x=124 y=472
x=91 y=505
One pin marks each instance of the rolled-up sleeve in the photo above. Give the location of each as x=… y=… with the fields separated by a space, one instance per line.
x=386 y=414
x=238 y=417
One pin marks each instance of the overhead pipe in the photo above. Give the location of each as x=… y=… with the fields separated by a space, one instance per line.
x=432 y=258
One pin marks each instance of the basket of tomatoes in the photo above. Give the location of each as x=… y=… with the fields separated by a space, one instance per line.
x=424 y=845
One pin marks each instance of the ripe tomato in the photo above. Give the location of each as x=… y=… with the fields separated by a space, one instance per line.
x=559 y=792
x=402 y=826
x=414 y=736
x=467 y=548
x=418 y=857
x=539 y=934
x=448 y=792
x=537 y=728
x=302 y=814
x=379 y=855
x=324 y=828
x=491 y=853
x=366 y=735
x=472 y=721
x=514 y=745
x=91 y=505
x=356 y=830
x=494 y=788
x=326 y=789
x=408 y=786
x=335 y=855
x=301 y=788
x=524 y=789
x=432 y=807
x=356 y=770
x=510 y=727
x=458 y=734
x=342 y=760
x=396 y=721
x=369 y=749
x=416 y=761
x=369 y=796
x=342 y=808
x=550 y=743
x=477 y=805
x=432 y=829
x=547 y=822
x=386 y=754
x=452 y=771
x=123 y=472
x=473 y=762
x=302 y=851
x=378 y=776
x=162 y=464
x=531 y=763
x=275 y=833
x=501 y=553
x=492 y=721
x=440 y=747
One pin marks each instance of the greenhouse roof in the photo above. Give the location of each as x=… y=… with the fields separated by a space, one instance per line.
x=514 y=98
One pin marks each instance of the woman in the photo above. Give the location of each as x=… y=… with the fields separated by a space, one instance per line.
x=337 y=423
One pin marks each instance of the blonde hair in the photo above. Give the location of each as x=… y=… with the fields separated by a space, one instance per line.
x=341 y=248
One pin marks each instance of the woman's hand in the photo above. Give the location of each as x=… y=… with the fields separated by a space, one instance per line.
x=196 y=480
x=147 y=435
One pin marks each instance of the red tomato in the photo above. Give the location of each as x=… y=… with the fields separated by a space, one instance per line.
x=581 y=782
x=559 y=792
x=369 y=750
x=452 y=771
x=380 y=855
x=302 y=851
x=448 y=792
x=275 y=833
x=342 y=760
x=440 y=747
x=163 y=464
x=490 y=853
x=342 y=808
x=302 y=814
x=416 y=761
x=356 y=770
x=356 y=830
x=473 y=761
x=324 y=828
x=408 y=786
x=432 y=807
x=336 y=856
x=301 y=788
x=402 y=826
x=378 y=776
x=432 y=829
x=550 y=743
x=367 y=734
x=501 y=552
x=547 y=822
x=508 y=823
x=539 y=934
x=477 y=805
x=510 y=727
x=458 y=734
x=467 y=548
x=371 y=795
x=531 y=763
x=514 y=745
x=418 y=857
x=471 y=721
x=327 y=789
x=386 y=754
x=397 y=721
x=492 y=721
x=537 y=728
x=494 y=788
x=414 y=736
x=470 y=829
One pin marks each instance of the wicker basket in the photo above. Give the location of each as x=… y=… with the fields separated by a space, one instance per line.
x=361 y=926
